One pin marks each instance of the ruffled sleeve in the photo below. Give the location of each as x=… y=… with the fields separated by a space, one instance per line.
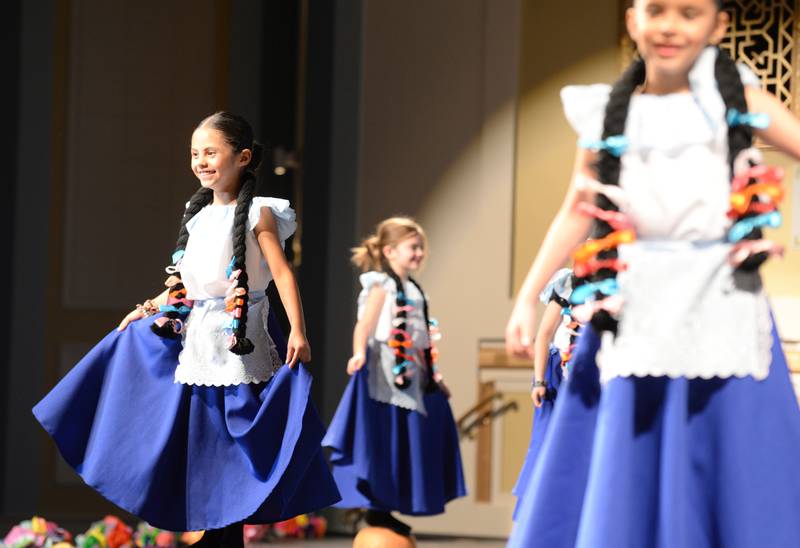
x=584 y=107
x=284 y=215
x=371 y=279
x=368 y=281
x=560 y=284
x=748 y=77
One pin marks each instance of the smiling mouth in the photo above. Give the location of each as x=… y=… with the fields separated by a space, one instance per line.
x=667 y=50
x=205 y=174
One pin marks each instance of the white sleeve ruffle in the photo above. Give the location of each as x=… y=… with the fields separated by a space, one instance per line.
x=283 y=213
x=585 y=108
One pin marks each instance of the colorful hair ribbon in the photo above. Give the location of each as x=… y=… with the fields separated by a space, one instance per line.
x=229 y=270
x=172 y=308
x=615 y=145
x=740 y=200
x=615 y=219
x=593 y=247
x=583 y=313
x=758 y=120
x=746 y=248
x=613 y=192
x=743 y=227
x=607 y=287
x=759 y=173
x=589 y=267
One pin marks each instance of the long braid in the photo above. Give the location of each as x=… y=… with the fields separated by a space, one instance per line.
x=170 y=325
x=401 y=339
x=740 y=136
x=430 y=360
x=608 y=171
x=241 y=344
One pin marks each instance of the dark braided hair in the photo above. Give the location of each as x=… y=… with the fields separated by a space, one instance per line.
x=608 y=170
x=239 y=135
x=401 y=301
x=740 y=138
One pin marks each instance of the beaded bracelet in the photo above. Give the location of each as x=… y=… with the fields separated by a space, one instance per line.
x=148 y=308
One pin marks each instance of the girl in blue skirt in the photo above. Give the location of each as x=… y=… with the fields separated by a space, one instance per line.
x=393 y=438
x=551 y=354
x=185 y=415
x=694 y=438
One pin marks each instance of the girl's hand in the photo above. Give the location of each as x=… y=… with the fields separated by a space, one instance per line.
x=132 y=316
x=538 y=394
x=297 y=349
x=520 y=330
x=355 y=363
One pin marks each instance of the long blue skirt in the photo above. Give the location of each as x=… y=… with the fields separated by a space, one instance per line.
x=392 y=459
x=662 y=462
x=186 y=457
x=553 y=375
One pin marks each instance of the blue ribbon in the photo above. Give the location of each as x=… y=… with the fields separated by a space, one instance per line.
x=177 y=256
x=759 y=120
x=400 y=368
x=606 y=287
x=615 y=144
x=229 y=270
x=566 y=311
x=745 y=226
x=183 y=309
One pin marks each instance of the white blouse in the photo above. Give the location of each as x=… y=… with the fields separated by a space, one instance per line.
x=210 y=247
x=684 y=313
x=381 y=358
x=205 y=358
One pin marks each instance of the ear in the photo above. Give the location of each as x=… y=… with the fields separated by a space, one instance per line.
x=720 y=27
x=387 y=251
x=245 y=156
x=631 y=24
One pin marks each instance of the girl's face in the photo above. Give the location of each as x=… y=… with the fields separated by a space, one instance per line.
x=406 y=255
x=214 y=162
x=671 y=34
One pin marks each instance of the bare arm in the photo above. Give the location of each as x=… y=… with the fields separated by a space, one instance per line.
x=366 y=327
x=297 y=347
x=784 y=129
x=159 y=300
x=566 y=232
x=541 y=347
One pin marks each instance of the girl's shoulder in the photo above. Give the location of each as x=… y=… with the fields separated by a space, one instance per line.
x=585 y=105
x=373 y=278
x=284 y=215
x=584 y=108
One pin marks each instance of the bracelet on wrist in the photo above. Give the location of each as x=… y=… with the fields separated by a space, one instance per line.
x=538 y=383
x=148 y=308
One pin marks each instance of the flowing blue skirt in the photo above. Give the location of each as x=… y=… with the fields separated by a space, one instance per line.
x=186 y=457
x=392 y=459
x=553 y=375
x=666 y=463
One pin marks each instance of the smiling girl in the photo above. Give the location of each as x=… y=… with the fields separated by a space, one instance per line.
x=694 y=439
x=395 y=445
x=202 y=427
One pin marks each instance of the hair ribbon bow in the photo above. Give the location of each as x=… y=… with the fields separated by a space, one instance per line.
x=758 y=120
x=614 y=145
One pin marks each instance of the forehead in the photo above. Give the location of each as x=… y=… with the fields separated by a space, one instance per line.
x=205 y=137
x=678 y=3
x=413 y=239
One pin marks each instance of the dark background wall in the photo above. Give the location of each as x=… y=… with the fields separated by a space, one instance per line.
x=271 y=61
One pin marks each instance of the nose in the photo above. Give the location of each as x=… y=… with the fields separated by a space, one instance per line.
x=668 y=23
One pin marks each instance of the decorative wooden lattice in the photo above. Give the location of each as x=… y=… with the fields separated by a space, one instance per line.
x=763 y=35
